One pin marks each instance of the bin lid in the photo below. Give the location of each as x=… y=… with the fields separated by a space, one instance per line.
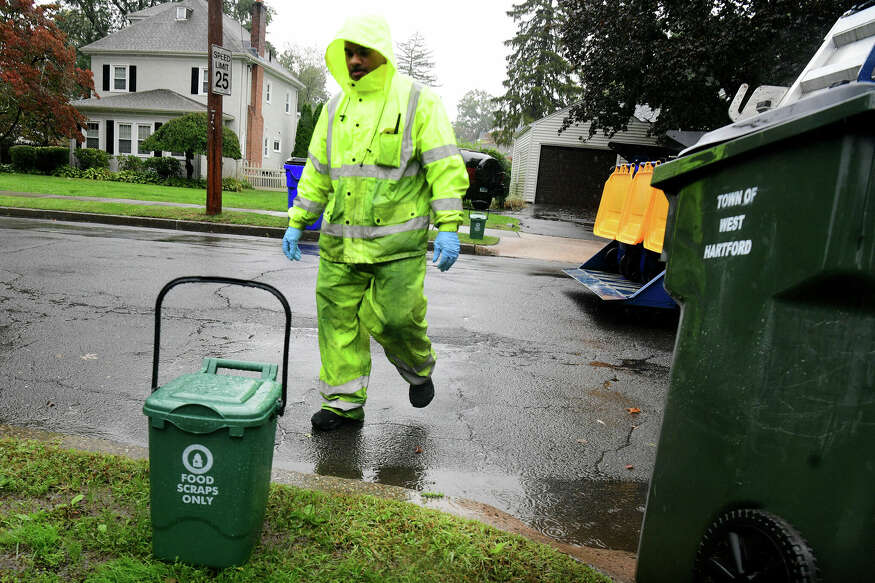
x=204 y=402
x=800 y=117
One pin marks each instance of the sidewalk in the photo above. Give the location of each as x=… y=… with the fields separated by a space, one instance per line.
x=519 y=245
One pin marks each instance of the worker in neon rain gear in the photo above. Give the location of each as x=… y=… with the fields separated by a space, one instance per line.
x=382 y=165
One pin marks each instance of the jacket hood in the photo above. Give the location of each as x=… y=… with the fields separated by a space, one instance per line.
x=370 y=31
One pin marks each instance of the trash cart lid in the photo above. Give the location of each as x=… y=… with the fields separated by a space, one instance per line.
x=204 y=402
x=806 y=115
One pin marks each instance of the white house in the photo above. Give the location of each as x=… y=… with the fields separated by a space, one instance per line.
x=570 y=168
x=155 y=69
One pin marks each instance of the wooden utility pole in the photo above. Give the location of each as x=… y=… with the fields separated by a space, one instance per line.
x=214 y=114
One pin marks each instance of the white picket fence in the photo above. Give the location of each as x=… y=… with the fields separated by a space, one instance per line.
x=265 y=178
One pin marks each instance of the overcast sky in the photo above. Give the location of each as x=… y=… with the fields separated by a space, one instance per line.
x=466 y=36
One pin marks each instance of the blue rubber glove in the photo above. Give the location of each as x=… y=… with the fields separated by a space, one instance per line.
x=446 y=250
x=290 y=243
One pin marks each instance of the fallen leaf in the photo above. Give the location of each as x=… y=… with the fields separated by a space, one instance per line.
x=583 y=441
x=603 y=364
x=606 y=384
x=600 y=421
x=49 y=404
x=630 y=467
x=89 y=356
x=633 y=410
x=418 y=449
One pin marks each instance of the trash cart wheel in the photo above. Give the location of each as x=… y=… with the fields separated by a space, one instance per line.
x=753 y=545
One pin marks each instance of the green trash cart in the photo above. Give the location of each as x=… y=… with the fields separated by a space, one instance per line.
x=765 y=468
x=211 y=440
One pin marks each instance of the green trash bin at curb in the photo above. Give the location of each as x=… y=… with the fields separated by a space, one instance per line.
x=211 y=439
x=766 y=450
x=478 y=224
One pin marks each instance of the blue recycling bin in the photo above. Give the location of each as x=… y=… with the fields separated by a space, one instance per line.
x=294 y=169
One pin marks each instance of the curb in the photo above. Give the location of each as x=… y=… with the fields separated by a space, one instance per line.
x=187 y=226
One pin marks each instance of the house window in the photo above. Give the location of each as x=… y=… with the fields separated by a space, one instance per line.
x=205 y=81
x=276 y=145
x=92 y=135
x=143 y=132
x=119 y=77
x=124 y=138
x=267 y=92
x=266 y=151
x=288 y=102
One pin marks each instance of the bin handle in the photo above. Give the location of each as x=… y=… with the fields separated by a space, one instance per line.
x=268 y=371
x=229 y=281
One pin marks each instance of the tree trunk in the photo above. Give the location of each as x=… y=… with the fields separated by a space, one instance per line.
x=189 y=167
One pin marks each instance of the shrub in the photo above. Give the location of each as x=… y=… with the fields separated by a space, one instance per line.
x=49 y=158
x=92 y=158
x=6 y=168
x=234 y=185
x=67 y=171
x=185 y=182
x=501 y=196
x=97 y=173
x=164 y=166
x=23 y=158
x=134 y=163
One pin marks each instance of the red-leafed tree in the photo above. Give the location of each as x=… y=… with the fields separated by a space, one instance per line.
x=38 y=76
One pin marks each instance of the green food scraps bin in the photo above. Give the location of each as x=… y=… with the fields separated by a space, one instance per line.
x=478 y=224
x=211 y=442
x=765 y=464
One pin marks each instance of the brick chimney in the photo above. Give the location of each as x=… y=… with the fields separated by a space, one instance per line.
x=254 y=118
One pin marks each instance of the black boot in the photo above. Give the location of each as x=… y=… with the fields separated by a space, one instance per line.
x=325 y=420
x=421 y=395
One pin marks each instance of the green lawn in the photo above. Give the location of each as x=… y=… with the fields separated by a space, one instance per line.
x=248 y=199
x=83 y=517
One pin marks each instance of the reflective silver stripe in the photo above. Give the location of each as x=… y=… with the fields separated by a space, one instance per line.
x=342 y=405
x=317 y=165
x=407 y=143
x=374 y=171
x=332 y=111
x=362 y=232
x=410 y=374
x=346 y=388
x=308 y=205
x=439 y=153
x=445 y=204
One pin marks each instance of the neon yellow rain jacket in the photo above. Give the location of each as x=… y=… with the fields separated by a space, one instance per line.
x=382 y=162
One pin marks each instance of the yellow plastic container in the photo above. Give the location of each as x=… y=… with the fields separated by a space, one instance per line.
x=631 y=229
x=654 y=227
x=614 y=194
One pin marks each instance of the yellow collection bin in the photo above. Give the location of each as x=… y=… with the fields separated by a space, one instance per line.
x=654 y=227
x=631 y=230
x=607 y=221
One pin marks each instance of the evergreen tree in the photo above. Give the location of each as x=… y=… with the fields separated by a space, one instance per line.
x=416 y=60
x=539 y=80
x=306 y=125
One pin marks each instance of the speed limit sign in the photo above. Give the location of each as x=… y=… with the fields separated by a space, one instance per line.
x=220 y=77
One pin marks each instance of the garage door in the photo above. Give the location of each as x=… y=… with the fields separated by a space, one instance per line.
x=573 y=177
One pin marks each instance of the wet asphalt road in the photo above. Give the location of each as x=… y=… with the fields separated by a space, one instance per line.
x=534 y=380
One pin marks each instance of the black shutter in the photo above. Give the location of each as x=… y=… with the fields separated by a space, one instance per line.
x=106 y=77
x=132 y=84
x=110 y=137
x=195 y=80
x=157 y=153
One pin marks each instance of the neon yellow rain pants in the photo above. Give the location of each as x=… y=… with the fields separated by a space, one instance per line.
x=357 y=300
